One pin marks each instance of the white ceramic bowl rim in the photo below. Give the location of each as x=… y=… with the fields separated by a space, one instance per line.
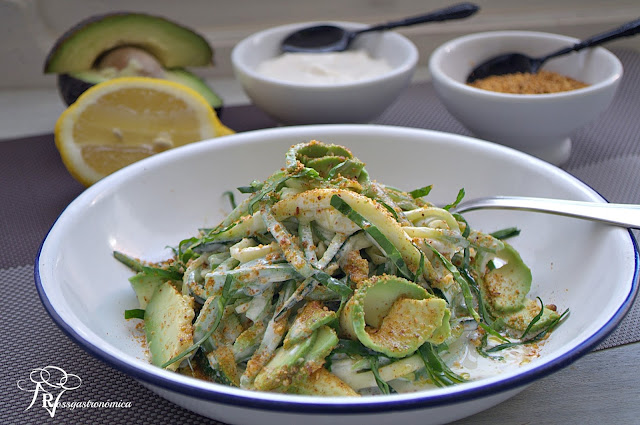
x=410 y=61
x=438 y=54
x=323 y=405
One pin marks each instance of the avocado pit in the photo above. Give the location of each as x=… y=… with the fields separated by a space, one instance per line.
x=129 y=60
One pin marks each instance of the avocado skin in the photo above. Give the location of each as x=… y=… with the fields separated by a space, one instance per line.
x=184 y=77
x=52 y=63
x=70 y=86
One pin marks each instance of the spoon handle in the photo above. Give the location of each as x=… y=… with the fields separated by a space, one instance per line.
x=457 y=11
x=626 y=30
x=625 y=215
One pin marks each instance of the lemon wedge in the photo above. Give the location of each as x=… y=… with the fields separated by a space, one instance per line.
x=123 y=120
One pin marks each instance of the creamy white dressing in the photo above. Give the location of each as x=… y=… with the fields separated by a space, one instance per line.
x=323 y=68
x=465 y=360
x=462 y=357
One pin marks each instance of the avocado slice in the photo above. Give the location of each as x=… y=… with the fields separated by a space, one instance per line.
x=167 y=319
x=292 y=365
x=323 y=383
x=285 y=364
x=506 y=287
x=311 y=317
x=173 y=45
x=144 y=286
x=226 y=369
x=382 y=308
x=521 y=319
x=305 y=347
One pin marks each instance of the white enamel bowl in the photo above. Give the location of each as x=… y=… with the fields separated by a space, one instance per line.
x=537 y=124
x=301 y=103
x=587 y=267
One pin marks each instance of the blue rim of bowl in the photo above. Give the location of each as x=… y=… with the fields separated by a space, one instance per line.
x=414 y=401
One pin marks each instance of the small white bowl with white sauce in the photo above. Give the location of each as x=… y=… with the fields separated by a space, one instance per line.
x=339 y=88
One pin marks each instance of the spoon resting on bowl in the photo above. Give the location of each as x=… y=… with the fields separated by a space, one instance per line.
x=331 y=38
x=511 y=63
x=625 y=215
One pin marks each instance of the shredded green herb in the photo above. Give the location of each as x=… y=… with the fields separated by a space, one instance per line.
x=232 y=200
x=437 y=369
x=507 y=233
x=136 y=265
x=354 y=348
x=538 y=337
x=455 y=203
x=419 y=193
x=135 y=313
x=252 y=188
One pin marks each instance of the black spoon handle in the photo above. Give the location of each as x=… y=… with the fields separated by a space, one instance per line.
x=626 y=30
x=457 y=11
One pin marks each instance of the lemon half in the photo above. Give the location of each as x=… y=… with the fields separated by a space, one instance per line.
x=123 y=120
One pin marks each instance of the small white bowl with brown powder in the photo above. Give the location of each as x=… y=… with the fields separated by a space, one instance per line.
x=534 y=113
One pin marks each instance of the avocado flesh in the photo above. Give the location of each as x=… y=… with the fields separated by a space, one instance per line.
x=294 y=364
x=172 y=44
x=283 y=365
x=506 y=287
x=393 y=338
x=394 y=316
x=521 y=319
x=323 y=383
x=144 y=286
x=188 y=79
x=72 y=85
x=167 y=318
x=312 y=316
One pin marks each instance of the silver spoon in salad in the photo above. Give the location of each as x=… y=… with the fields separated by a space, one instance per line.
x=625 y=215
x=331 y=38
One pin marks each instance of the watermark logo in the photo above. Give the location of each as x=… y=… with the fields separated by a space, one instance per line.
x=48 y=384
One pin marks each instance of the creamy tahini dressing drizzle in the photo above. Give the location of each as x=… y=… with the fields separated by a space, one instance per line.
x=464 y=360
x=323 y=68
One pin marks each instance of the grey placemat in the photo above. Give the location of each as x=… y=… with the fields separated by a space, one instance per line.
x=35 y=188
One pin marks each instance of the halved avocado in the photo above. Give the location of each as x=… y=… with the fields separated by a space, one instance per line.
x=171 y=44
x=128 y=44
x=72 y=85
